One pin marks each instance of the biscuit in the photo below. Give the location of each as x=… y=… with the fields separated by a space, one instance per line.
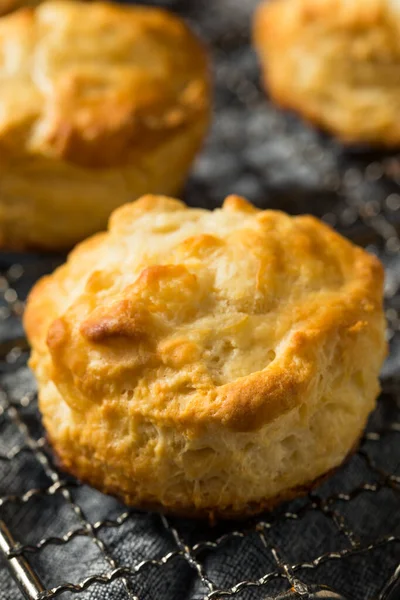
x=7 y=6
x=336 y=63
x=210 y=363
x=99 y=104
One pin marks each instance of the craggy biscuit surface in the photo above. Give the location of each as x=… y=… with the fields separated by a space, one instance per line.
x=99 y=103
x=335 y=62
x=207 y=362
x=7 y=6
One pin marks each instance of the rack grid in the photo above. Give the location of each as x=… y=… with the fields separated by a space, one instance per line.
x=60 y=538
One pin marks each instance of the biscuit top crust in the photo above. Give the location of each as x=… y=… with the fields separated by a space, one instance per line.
x=7 y=6
x=341 y=12
x=373 y=25
x=96 y=84
x=336 y=62
x=234 y=315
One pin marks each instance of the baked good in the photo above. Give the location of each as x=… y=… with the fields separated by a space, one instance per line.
x=210 y=363
x=99 y=104
x=7 y=6
x=336 y=63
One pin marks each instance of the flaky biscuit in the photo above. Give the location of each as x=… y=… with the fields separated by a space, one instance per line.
x=99 y=104
x=207 y=362
x=335 y=62
x=7 y=6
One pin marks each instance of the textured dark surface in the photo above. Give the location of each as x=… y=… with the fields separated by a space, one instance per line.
x=347 y=533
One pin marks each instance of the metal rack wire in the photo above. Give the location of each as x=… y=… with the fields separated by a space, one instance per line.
x=18 y=553
x=13 y=409
x=61 y=538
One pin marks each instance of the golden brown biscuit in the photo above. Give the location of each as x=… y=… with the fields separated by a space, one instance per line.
x=335 y=62
x=99 y=104
x=207 y=362
x=7 y=6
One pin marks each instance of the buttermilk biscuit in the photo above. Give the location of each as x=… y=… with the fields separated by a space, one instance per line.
x=207 y=362
x=335 y=62
x=7 y=6
x=99 y=103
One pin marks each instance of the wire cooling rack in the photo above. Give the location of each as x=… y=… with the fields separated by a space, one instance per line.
x=58 y=537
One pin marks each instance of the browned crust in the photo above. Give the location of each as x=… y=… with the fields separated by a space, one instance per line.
x=278 y=27
x=112 y=128
x=128 y=430
x=210 y=514
x=7 y=6
x=248 y=402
